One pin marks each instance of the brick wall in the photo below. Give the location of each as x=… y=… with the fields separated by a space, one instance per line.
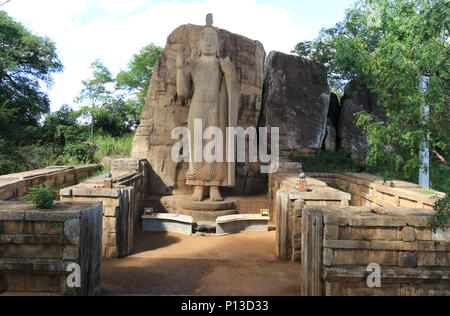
x=369 y=190
x=14 y=186
x=37 y=246
x=340 y=242
x=122 y=204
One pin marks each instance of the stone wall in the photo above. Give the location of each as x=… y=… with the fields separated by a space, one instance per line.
x=369 y=190
x=340 y=242
x=36 y=247
x=16 y=185
x=288 y=210
x=122 y=203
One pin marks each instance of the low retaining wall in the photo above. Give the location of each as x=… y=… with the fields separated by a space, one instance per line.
x=340 y=242
x=36 y=247
x=122 y=204
x=369 y=190
x=16 y=185
x=288 y=206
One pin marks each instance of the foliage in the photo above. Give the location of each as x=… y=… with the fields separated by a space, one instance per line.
x=42 y=197
x=330 y=162
x=82 y=152
x=62 y=127
x=389 y=46
x=96 y=91
x=27 y=63
x=108 y=146
x=442 y=214
x=342 y=162
x=136 y=79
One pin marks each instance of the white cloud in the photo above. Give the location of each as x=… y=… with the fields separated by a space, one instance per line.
x=114 y=30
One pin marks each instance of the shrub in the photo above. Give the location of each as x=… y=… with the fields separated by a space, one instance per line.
x=82 y=152
x=42 y=197
x=442 y=215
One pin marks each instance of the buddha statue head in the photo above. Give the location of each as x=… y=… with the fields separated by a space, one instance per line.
x=208 y=44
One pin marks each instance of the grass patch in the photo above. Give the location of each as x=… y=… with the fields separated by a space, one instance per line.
x=108 y=146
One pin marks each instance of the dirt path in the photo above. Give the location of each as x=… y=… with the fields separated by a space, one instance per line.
x=171 y=264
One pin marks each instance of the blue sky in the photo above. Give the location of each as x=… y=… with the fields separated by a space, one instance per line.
x=113 y=30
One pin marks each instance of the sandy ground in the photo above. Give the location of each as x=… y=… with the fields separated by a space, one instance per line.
x=172 y=264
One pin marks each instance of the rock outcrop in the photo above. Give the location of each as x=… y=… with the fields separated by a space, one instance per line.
x=357 y=98
x=164 y=111
x=296 y=99
x=331 y=140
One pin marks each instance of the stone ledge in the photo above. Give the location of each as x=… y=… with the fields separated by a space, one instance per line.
x=240 y=224
x=423 y=246
x=241 y=217
x=360 y=272
x=172 y=217
x=168 y=223
x=33 y=265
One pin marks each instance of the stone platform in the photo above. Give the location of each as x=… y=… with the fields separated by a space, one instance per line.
x=206 y=213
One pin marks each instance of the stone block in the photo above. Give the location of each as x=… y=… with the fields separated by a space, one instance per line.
x=426 y=259
x=427 y=245
x=335 y=220
x=168 y=222
x=331 y=232
x=407 y=260
x=110 y=252
x=241 y=223
x=365 y=257
x=423 y=234
x=65 y=192
x=71 y=253
x=418 y=221
x=411 y=246
x=109 y=223
x=11 y=216
x=374 y=233
x=72 y=231
x=110 y=211
x=377 y=221
x=408 y=234
x=328 y=257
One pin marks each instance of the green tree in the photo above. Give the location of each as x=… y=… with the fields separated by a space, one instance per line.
x=96 y=91
x=389 y=45
x=136 y=79
x=27 y=62
x=61 y=127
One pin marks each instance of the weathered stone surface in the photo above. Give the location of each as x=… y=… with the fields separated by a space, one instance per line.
x=168 y=223
x=296 y=99
x=331 y=232
x=356 y=99
x=330 y=143
x=407 y=260
x=71 y=253
x=72 y=231
x=334 y=111
x=408 y=234
x=442 y=235
x=164 y=110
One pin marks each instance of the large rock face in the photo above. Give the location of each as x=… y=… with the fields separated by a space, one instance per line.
x=357 y=98
x=296 y=99
x=164 y=111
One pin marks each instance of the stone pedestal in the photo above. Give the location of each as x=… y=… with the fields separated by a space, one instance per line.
x=204 y=211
